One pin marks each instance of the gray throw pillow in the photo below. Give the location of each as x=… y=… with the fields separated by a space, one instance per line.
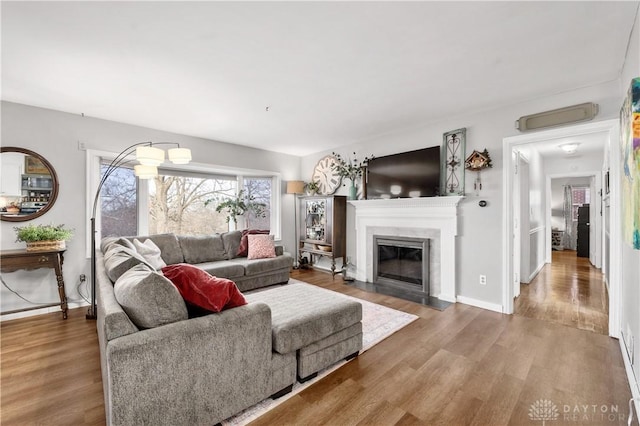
x=169 y=247
x=205 y=248
x=149 y=299
x=119 y=259
x=107 y=242
x=231 y=242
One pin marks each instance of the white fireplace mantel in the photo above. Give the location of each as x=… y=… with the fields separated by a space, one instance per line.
x=409 y=217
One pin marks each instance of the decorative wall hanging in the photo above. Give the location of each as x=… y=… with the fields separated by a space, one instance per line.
x=476 y=162
x=454 y=146
x=630 y=156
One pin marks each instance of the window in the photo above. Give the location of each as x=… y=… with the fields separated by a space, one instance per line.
x=258 y=190
x=579 y=196
x=118 y=203
x=186 y=205
x=181 y=201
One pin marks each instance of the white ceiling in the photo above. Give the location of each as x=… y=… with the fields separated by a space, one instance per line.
x=330 y=73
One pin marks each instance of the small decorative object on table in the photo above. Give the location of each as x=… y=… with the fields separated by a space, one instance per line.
x=352 y=170
x=43 y=237
x=312 y=188
x=476 y=162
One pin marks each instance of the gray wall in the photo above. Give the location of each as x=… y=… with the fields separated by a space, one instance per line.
x=55 y=135
x=479 y=244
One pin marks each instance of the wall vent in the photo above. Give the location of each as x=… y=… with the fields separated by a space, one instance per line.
x=558 y=117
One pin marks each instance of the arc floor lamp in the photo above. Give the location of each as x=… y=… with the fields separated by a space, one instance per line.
x=149 y=157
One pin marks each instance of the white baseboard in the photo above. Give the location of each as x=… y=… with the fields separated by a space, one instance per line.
x=631 y=377
x=480 y=304
x=538 y=269
x=42 y=311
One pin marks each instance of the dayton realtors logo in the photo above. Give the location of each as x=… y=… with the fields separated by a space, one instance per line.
x=545 y=410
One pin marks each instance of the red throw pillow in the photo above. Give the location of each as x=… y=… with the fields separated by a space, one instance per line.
x=243 y=250
x=201 y=289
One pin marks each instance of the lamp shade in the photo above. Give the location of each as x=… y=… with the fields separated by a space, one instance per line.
x=295 y=187
x=149 y=155
x=179 y=155
x=145 y=172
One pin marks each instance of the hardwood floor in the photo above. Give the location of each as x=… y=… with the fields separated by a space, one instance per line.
x=568 y=291
x=462 y=366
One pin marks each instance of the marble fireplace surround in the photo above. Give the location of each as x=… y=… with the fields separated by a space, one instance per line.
x=435 y=218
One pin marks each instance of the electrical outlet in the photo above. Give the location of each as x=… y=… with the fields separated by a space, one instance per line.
x=83 y=278
x=483 y=280
x=82 y=146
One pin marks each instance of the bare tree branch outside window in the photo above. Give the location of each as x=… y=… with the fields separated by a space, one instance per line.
x=118 y=203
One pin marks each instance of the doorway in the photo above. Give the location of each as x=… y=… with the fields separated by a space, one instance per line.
x=607 y=128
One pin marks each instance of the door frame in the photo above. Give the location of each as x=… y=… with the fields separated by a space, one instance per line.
x=611 y=127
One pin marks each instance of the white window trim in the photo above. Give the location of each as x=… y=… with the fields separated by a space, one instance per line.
x=94 y=158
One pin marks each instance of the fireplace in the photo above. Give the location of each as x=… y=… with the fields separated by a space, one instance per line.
x=401 y=263
x=429 y=218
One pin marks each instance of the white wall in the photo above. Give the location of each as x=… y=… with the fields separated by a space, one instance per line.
x=479 y=244
x=630 y=318
x=55 y=136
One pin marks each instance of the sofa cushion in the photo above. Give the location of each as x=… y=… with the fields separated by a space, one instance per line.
x=169 y=247
x=149 y=299
x=202 y=289
x=223 y=268
x=259 y=266
x=119 y=259
x=261 y=247
x=244 y=243
x=150 y=252
x=204 y=248
x=231 y=242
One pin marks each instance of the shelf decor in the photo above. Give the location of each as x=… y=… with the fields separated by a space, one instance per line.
x=454 y=148
x=352 y=170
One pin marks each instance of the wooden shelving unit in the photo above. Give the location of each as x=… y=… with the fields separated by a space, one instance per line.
x=323 y=227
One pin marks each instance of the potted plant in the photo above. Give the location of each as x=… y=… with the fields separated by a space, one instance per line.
x=238 y=206
x=312 y=188
x=351 y=169
x=43 y=237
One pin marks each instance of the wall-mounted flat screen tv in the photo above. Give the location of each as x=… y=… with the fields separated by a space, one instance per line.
x=406 y=175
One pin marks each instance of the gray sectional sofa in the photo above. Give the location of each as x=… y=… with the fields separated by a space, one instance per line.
x=176 y=370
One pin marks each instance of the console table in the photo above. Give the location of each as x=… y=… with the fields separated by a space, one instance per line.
x=14 y=260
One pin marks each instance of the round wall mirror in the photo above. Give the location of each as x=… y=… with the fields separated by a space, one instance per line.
x=28 y=184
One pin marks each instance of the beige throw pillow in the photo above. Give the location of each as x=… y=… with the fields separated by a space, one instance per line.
x=150 y=252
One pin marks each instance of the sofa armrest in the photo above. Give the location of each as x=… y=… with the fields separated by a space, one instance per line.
x=195 y=371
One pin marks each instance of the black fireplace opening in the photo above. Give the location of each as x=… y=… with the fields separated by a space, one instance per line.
x=402 y=262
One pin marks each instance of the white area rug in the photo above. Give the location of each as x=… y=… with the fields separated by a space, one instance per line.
x=378 y=323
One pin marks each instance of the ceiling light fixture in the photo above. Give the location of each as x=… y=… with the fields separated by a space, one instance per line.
x=569 y=148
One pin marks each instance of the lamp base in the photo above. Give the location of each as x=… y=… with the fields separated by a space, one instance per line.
x=91 y=314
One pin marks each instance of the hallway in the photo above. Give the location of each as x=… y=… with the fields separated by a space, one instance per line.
x=568 y=291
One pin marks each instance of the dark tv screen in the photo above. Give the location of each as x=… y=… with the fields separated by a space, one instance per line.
x=406 y=175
